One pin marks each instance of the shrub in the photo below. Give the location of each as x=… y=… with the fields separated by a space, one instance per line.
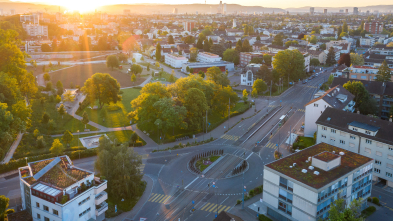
x=252 y=193
x=371 y=209
x=264 y=218
x=238 y=202
x=64 y=199
x=376 y=201
x=369 y=199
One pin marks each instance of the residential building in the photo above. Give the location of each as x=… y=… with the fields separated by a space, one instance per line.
x=320 y=55
x=188 y=26
x=360 y=134
x=203 y=66
x=303 y=185
x=374 y=27
x=364 y=73
x=367 y=41
x=247 y=76
x=36 y=30
x=336 y=97
x=33 y=18
x=311 y=10
x=327 y=31
x=355 y=10
x=246 y=57
x=381 y=49
x=55 y=189
x=207 y=57
x=234 y=32
x=375 y=60
x=175 y=60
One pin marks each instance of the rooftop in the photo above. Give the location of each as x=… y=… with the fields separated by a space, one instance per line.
x=326 y=156
x=364 y=126
x=349 y=162
x=337 y=97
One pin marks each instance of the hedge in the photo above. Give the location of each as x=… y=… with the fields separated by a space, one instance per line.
x=264 y=218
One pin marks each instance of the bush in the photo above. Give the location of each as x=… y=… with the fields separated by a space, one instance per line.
x=252 y=193
x=264 y=218
x=238 y=202
x=376 y=201
x=371 y=209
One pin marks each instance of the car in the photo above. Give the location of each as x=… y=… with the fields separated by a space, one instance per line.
x=304 y=81
x=309 y=78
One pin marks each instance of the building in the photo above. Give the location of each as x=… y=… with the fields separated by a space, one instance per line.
x=325 y=11
x=12 y=11
x=55 y=189
x=312 y=11
x=247 y=76
x=33 y=18
x=188 y=26
x=246 y=57
x=234 y=23
x=320 y=55
x=175 y=11
x=225 y=9
x=373 y=27
x=355 y=10
x=234 y=32
x=175 y=60
x=36 y=30
x=366 y=73
x=202 y=66
x=208 y=57
x=59 y=16
x=346 y=11
x=336 y=97
x=360 y=134
x=302 y=185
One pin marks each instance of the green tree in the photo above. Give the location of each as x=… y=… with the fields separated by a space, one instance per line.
x=158 y=52
x=101 y=87
x=49 y=86
x=120 y=166
x=340 y=212
x=136 y=69
x=259 y=85
x=58 y=99
x=245 y=95
x=85 y=118
x=172 y=78
x=264 y=73
x=40 y=142
x=221 y=98
x=59 y=87
x=363 y=102
x=256 y=60
x=61 y=110
x=134 y=137
x=239 y=46
x=112 y=61
x=45 y=48
x=246 y=47
x=28 y=86
x=215 y=74
x=170 y=39
x=331 y=57
x=217 y=49
x=268 y=59
x=254 y=93
x=384 y=73
x=193 y=54
x=133 y=78
x=36 y=132
x=206 y=46
x=314 y=62
x=68 y=96
x=57 y=148
x=200 y=44
x=278 y=39
x=4 y=203
x=196 y=105
x=289 y=64
x=231 y=55
x=169 y=115
x=67 y=137
x=46 y=77
x=45 y=118
x=345 y=27
x=202 y=74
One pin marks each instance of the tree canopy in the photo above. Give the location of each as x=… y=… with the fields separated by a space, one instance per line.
x=289 y=64
x=384 y=73
x=215 y=74
x=356 y=59
x=112 y=61
x=231 y=55
x=345 y=59
x=331 y=57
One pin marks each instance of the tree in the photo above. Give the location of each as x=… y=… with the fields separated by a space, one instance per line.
x=331 y=57
x=46 y=77
x=28 y=86
x=45 y=48
x=61 y=110
x=136 y=69
x=200 y=44
x=259 y=85
x=345 y=59
x=256 y=60
x=68 y=96
x=264 y=73
x=206 y=46
x=123 y=58
x=85 y=118
x=101 y=87
x=45 y=118
x=345 y=27
x=215 y=74
x=239 y=46
x=217 y=49
x=112 y=61
x=314 y=62
x=289 y=64
x=221 y=98
x=170 y=39
x=67 y=137
x=158 y=52
x=289 y=43
x=356 y=59
x=134 y=137
x=59 y=87
x=196 y=105
x=268 y=59
x=4 y=203
x=254 y=93
x=246 y=47
x=157 y=64
x=193 y=54
x=362 y=98
x=245 y=96
x=300 y=36
x=40 y=142
x=120 y=166
x=258 y=38
x=58 y=99
x=202 y=74
x=340 y=212
x=384 y=73
x=49 y=86
x=133 y=78
x=231 y=55
x=390 y=44
x=57 y=147
x=278 y=39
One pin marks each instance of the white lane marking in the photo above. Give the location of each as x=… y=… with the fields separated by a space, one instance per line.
x=191 y=183
x=249 y=155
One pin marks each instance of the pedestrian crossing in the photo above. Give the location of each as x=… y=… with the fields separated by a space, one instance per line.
x=301 y=110
x=141 y=168
x=212 y=207
x=230 y=137
x=271 y=145
x=159 y=198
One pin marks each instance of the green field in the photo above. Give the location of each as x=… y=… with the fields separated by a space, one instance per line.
x=115 y=115
x=303 y=142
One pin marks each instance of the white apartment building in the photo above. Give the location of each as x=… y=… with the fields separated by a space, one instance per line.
x=364 y=73
x=54 y=189
x=208 y=57
x=336 y=97
x=302 y=185
x=368 y=136
x=175 y=60
x=367 y=41
x=35 y=29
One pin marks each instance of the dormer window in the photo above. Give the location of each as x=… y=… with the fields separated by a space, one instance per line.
x=368 y=132
x=354 y=129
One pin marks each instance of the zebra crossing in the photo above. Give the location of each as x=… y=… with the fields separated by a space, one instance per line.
x=141 y=168
x=271 y=145
x=301 y=110
x=212 y=207
x=159 y=198
x=230 y=137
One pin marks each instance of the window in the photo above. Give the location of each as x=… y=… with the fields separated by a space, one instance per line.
x=368 y=141
x=83 y=201
x=390 y=166
x=46 y=219
x=323 y=136
x=390 y=157
x=46 y=208
x=367 y=150
x=342 y=142
x=343 y=134
x=332 y=139
x=378 y=153
x=38 y=216
x=284 y=207
x=56 y=212
x=378 y=162
x=285 y=196
x=390 y=148
x=354 y=129
x=286 y=184
x=37 y=204
x=324 y=128
x=352 y=137
x=377 y=170
x=368 y=132
x=315 y=105
x=388 y=174
x=333 y=131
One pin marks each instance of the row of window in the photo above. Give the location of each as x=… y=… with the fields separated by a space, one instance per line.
x=84 y=212
x=84 y=201
x=286 y=184
x=45 y=218
x=332 y=189
x=387 y=173
x=45 y=208
x=362 y=172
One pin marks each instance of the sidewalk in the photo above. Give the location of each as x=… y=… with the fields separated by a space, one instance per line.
x=12 y=149
x=139 y=205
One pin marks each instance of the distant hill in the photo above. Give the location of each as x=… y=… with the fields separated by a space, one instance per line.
x=380 y=8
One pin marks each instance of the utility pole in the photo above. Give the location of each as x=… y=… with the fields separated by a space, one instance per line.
x=271 y=85
x=229 y=111
x=243 y=191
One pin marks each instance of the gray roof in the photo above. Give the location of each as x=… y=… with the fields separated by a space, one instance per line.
x=364 y=126
x=337 y=97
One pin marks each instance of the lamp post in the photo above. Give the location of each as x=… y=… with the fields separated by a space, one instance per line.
x=78 y=144
x=26 y=160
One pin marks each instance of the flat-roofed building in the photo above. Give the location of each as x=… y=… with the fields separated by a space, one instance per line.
x=208 y=57
x=175 y=60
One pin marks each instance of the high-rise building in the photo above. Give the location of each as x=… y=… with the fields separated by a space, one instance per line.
x=12 y=11
x=355 y=10
x=188 y=26
x=373 y=27
x=225 y=8
x=325 y=11
x=346 y=11
x=341 y=10
x=312 y=11
x=368 y=13
x=234 y=23
x=174 y=11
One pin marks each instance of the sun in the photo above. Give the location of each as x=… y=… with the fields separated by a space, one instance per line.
x=80 y=6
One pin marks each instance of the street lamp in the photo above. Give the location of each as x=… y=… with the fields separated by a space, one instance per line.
x=78 y=144
x=26 y=160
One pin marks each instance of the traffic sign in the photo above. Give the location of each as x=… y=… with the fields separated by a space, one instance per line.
x=115 y=208
x=193 y=202
x=214 y=183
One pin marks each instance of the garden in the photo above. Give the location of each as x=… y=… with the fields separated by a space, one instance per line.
x=205 y=162
x=303 y=142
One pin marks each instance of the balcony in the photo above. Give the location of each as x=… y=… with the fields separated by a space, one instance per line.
x=101 y=197
x=100 y=209
x=100 y=186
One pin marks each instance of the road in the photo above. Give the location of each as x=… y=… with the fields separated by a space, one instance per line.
x=176 y=190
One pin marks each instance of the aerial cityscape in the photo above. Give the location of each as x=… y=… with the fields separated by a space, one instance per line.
x=174 y=111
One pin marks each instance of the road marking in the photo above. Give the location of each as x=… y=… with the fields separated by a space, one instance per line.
x=249 y=156
x=163 y=200
x=152 y=196
x=155 y=197
x=209 y=207
x=205 y=206
x=159 y=198
x=213 y=208
x=191 y=183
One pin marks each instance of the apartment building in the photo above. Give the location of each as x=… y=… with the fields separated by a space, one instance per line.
x=373 y=27
x=246 y=57
x=368 y=136
x=54 y=189
x=381 y=49
x=302 y=185
x=207 y=57
x=367 y=41
x=364 y=73
x=36 y=30
x=337 y=97
x=375 y=60
x=175 y=60
x=188 y=26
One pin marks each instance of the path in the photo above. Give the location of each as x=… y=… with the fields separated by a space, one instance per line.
x=12 y=149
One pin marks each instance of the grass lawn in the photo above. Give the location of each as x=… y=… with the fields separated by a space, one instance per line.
x=284 y=88
x=199 y=164
x=303 y=142
x=164 y=75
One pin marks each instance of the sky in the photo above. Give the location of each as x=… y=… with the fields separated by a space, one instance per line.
x=86 y=5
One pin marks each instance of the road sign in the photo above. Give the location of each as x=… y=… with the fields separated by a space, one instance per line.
x=115 y=208
x=216 y=216
x=245 y=187
x=193 y=202
x=214 y=186
x=214 y=183
x=276 y=144
x=280 y=100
